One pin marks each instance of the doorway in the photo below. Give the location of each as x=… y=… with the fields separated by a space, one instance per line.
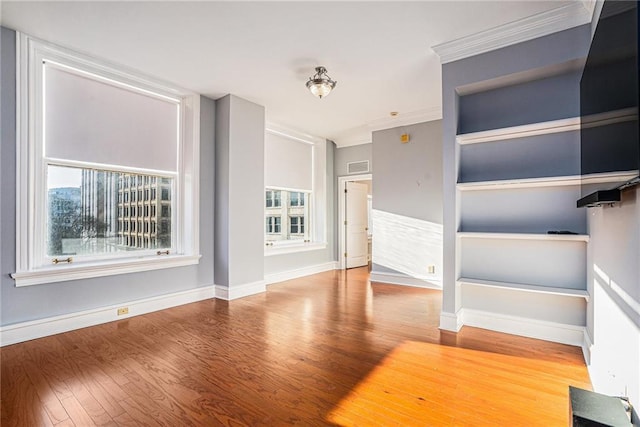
x=355 y=200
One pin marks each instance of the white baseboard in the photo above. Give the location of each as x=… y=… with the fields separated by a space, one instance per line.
x=300 y=272
x=544 y=330
x=398 y=279
x=451 y=321
x=240 y=291
x=26 y=331
x=587 y=346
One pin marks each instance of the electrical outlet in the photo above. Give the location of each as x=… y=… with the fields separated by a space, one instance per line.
x=432 y=269
x=123 y=311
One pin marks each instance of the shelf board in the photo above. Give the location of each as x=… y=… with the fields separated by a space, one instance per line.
x=549 y=127
x=522 y=131
x=524 y=236
x=548 y=181
x=578 y=293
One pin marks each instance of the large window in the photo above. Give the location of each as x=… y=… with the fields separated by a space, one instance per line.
x=295 y=190
x=96 y=145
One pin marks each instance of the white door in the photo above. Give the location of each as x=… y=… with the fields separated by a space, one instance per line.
x=357 y=244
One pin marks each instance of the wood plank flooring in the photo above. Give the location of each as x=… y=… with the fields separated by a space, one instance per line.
x=328 y=349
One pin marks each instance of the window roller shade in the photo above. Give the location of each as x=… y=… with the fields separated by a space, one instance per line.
x=93 y=121
x=288 y=163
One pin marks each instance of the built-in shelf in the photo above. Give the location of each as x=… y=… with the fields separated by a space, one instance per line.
x=524 y=236
x=578 y=293
x=545 y=128
x=548 y=181
x=522 y=131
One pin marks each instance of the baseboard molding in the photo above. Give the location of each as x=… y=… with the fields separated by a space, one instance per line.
x=451 y=321
x=300 y=272
x=240 y=291
x=398 y=279
x=25 y=331
x=539 y=329
x=587 y=346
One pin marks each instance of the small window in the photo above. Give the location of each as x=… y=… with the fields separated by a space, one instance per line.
x=296 y=198
x=273 y=198
x=296 y=224
x=273 y=225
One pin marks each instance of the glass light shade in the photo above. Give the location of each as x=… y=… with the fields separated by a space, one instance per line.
x=320 y=87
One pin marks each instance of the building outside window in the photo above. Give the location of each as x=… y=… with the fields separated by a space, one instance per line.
x=273 y=225
x=273 y=198
x=296 y=225
x=292 y=215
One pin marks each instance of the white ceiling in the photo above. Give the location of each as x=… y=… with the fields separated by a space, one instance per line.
x=379 y=52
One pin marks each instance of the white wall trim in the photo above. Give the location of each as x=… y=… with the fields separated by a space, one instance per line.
x=532 y=27
x=300 y=272
x=406 y=119
x=451 y=321
x=587 y=346
x=544 y=330
x=240 y=291
x=25 y=331
x=399 y=279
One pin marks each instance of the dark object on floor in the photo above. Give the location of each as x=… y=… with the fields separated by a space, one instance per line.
x=589 y=409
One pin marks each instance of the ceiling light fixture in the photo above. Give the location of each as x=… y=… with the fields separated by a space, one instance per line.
x=321 y=84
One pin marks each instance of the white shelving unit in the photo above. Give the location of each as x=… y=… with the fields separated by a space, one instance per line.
x=515 y=184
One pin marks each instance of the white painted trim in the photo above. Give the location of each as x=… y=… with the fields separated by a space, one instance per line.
x=549 y=181
x=240 y=291
x=406 y=119
x=529 y=28
x=342 y=185
x=300 y=272
x=523 y=131
x=549 y=127
x=293 y=134
x=293 y=248
x=524 y=236
x=398 y=279
x=532 y=328
x=578 y=293
x=451 y=321
x=65 y=272
x=24 y=331
x=587 y=347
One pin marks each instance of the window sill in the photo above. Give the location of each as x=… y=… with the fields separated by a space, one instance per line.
x=63 y=273
x=293 y=248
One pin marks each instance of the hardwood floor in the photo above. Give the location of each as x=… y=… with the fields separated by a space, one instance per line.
x=328 y=349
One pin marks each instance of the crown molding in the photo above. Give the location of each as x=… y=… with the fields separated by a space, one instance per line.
x=532 y=27
x=406 y=119
x=362 y=134
x=296 y=135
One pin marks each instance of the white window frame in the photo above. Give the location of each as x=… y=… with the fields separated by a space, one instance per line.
x=31 y=265
x=317 y=219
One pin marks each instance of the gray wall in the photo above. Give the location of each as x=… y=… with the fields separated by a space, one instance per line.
x=408 y=178
x=408 y=184
x=354 y=153
x=239 y=214
x=286 y=262
x=41 y=301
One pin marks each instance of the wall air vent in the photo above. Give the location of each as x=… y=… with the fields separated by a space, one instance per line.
x=361 y=166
